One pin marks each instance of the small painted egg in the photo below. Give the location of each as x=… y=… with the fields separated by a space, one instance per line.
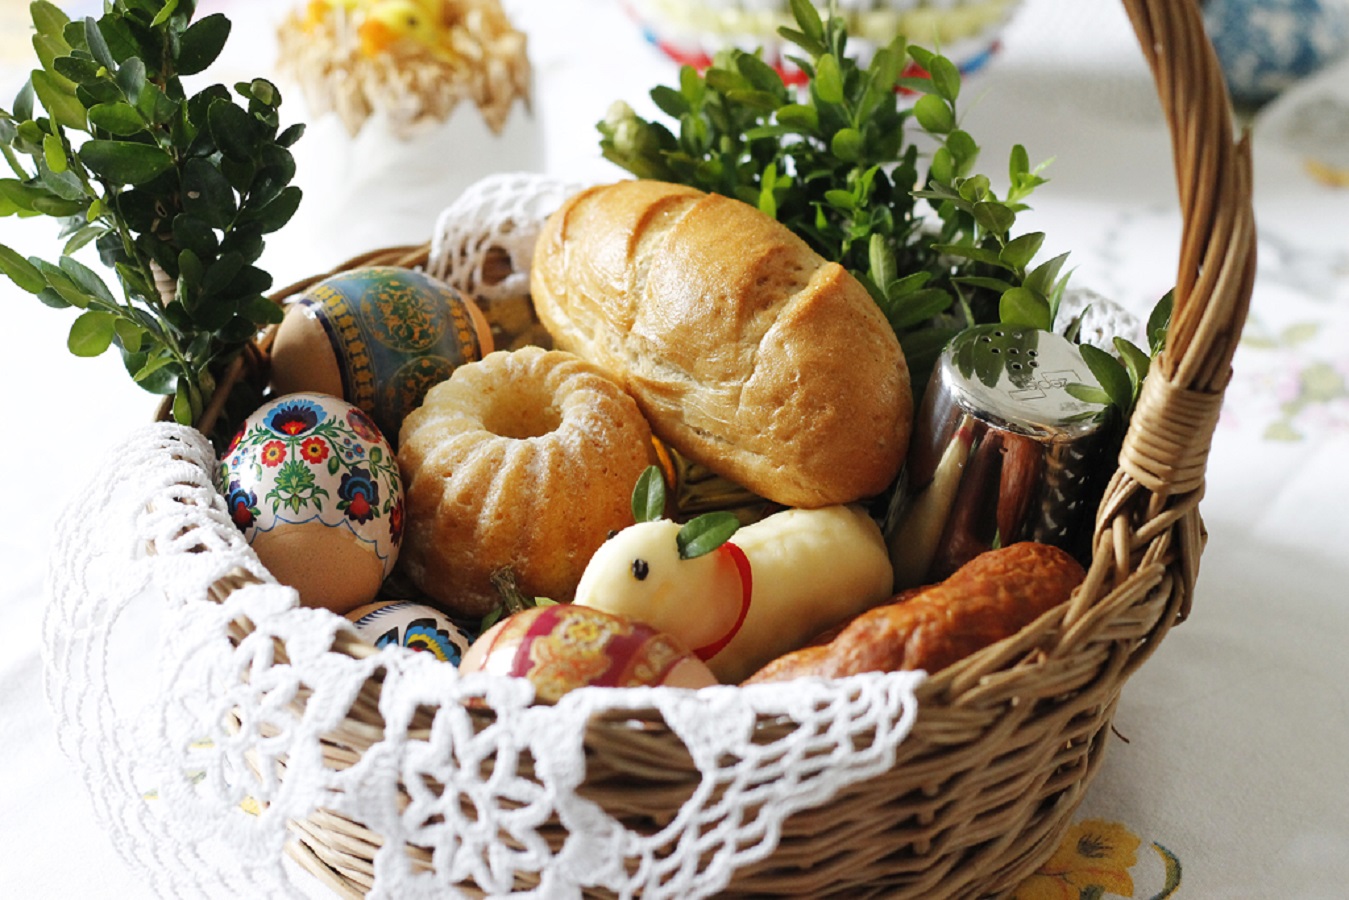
x=416 y=626
x=379 y=337
x=315 y=488
x=563 y=647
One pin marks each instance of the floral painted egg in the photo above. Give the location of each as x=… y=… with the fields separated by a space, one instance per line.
x=315 y=488
x=563 y=647
x=416 y=626
x=379 y=337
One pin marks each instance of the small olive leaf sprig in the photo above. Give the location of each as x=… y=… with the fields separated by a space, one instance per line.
x=1121 y=379
x=175 y=192
x=833 y=163
x=698 y=536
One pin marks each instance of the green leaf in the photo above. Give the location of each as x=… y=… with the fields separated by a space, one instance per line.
x=918 y=307
x=59 y=103
x=1019 y=251
x=116 y=118
x=49 y=50
x=999 y=285
x=1024 y=307
x=124 y=162
x=1110 y=374
x=202 y=43
x=648 y=496
x=86 y=279
x=91 y=333
x=234 y=131
x=81 y=237
x=48 y=19
x=98 y=45
x=277 y=213
x=1136 y=362
x=799 y=117
x=1159 y=320
x=207 y=194
x=77 y=69
x=20 y=271
x=1045 y=275
x=1087 y=393
x=945 y=77
x=847 y=144
x=943 y=166
x=964 y=151
x=1018 y=164
x=131 y=79
x=881 y=260
x=760 y=74
x=54 y=152
x=994 y=217
x=61 y=283
x=808 y=17
x=164 y=13
x=261 y=310
x=129 y=334
x=183 y=412
x=828 y=79
x=23 y=102
x=193 y=234
x=670 y=101
x=292 y=134
x=706 y=533
x=152 y=371
x=933 y=114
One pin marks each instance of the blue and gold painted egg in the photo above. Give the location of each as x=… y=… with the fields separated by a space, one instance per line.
x=379 y=337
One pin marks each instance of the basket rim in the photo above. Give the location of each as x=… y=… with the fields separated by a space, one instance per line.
x=1067 y=669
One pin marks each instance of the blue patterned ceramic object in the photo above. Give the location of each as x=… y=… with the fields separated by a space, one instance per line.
x=416 y=626
x=379 y=337
x=315 y=488
x=1266 y=45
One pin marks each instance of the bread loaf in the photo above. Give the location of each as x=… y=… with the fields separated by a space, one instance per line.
x=991 y=597
x=746 y=351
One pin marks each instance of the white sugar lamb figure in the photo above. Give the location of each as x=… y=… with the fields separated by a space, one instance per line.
x=740 y=596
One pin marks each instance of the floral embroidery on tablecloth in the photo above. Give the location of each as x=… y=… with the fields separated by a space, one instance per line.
x=1095 y=860
x=1292 y=382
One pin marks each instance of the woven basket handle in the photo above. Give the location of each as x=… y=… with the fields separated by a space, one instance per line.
x=1161 y=468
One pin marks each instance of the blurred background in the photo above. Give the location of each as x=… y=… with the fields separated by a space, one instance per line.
x=1062 y=77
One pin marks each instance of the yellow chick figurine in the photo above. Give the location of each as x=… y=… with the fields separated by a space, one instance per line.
x=423 y=21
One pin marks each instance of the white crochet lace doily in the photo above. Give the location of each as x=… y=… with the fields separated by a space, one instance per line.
x=145 y=683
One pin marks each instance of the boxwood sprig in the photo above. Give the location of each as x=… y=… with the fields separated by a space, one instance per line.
x=834 y=162
x=173 y=191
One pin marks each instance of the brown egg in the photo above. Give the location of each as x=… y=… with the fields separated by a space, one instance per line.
x=379 y=337
x=560 y=648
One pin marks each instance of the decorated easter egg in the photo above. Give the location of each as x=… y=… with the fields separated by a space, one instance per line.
x=315 y=488
x=563 y=647
x=402 y=623
x=379 y=337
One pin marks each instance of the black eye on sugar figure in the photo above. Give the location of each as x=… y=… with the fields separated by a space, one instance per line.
x=640 y=569
x=613 y=533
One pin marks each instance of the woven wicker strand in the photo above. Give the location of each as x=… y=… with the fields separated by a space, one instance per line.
x=1007 y=740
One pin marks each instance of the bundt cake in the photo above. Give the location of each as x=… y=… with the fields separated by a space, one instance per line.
x=525 y=460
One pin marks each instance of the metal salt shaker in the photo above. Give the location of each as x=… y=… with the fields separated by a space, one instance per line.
x=1000 y=453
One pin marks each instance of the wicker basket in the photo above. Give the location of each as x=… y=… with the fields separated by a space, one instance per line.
x=1008 y=740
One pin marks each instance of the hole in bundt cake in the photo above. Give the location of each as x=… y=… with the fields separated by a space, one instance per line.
x=525 y=415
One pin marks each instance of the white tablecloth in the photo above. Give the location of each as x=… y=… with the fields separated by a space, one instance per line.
x=1229 y=759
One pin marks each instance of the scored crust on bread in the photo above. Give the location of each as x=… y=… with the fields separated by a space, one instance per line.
x=746 y=351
